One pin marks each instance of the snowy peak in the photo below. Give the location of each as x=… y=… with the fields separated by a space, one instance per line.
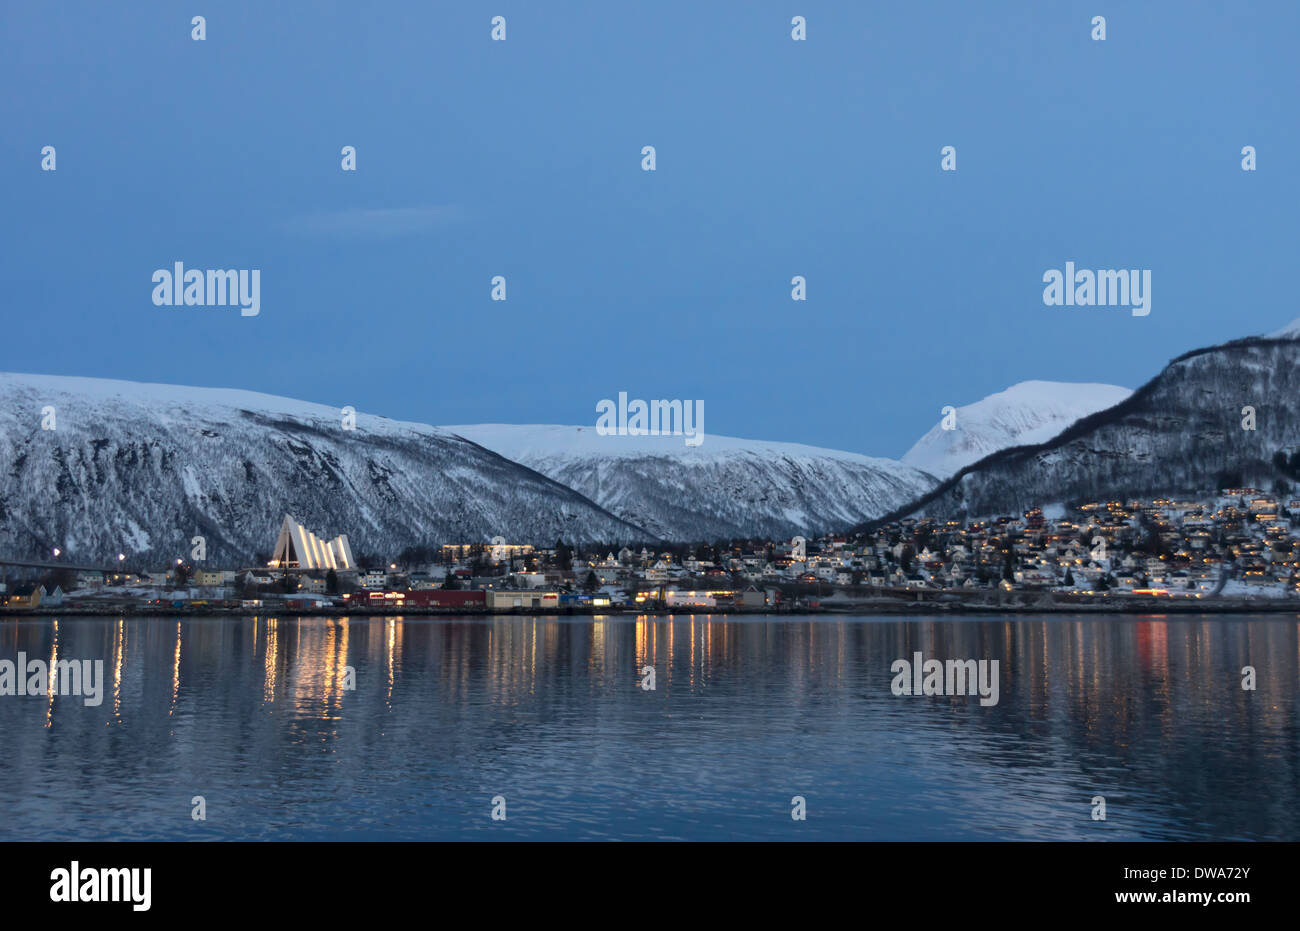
x=726 y=487
x=1290 y=331
x=1027 y=413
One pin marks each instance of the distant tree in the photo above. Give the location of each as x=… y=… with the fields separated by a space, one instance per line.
x=563 y=555
x=63 y=577
x=1069 y=577
x=593 y=582
x=288 y=584
x=450 y=583
x=1228 y=478
x=332 y=582
x=923 y=537
x=407 y=556
x=1153 y=543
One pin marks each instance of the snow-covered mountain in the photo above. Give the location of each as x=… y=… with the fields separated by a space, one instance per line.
x=1025 y=414
x=724 y=488
x=141 y=468
x=1290 y=331
x=1184 y=432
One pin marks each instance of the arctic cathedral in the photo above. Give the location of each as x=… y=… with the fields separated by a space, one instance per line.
x=299 y=548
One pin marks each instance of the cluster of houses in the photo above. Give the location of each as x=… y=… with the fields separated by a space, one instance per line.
x=1238 y=542
x=1241 y=541
x=490 y=577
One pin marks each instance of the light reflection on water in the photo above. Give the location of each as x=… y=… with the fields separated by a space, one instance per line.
x=255 y=714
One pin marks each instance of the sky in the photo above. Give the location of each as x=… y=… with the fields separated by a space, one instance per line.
x=522 y=158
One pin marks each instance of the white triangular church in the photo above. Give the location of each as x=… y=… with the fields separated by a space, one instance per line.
x=299 y=548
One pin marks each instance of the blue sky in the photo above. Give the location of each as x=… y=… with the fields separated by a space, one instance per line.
x=522 y=158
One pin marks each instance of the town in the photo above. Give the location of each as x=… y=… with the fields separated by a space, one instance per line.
x=1236 y=549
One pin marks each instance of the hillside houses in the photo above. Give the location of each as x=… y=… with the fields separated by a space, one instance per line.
x=1238 y=542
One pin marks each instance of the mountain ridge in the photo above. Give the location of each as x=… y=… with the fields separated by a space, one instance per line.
x=727 y=487
x=953 y=494
x=141 y=468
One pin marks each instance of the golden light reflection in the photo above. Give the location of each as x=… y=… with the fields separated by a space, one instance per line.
x=53 y=675
x=669 y=651
x=119 y=652
x=597 y=654
x=340 y=668
x=318 y=664
x=176 y=670
x=389 y=646
x=271 y=658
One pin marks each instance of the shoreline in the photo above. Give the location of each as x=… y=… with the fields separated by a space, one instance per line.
x=1144 y=606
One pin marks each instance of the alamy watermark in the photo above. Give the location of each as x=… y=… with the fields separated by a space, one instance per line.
x=213 y=287
x=1107 y=287
x=67 y=677
x=653 y=418
x=102 y=884
x=951 y=677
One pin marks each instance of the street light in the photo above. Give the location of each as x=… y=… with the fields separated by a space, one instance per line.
x=56 y=552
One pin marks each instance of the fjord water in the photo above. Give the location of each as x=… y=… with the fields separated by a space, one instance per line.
x=253 y=714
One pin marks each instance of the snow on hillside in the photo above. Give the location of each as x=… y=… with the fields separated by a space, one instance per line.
x=186 y=400
x=726 y=487
x=141 y=468
x=1026 y=413
x=524 y=441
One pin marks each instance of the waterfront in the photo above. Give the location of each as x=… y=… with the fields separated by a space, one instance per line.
x=254 y=714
